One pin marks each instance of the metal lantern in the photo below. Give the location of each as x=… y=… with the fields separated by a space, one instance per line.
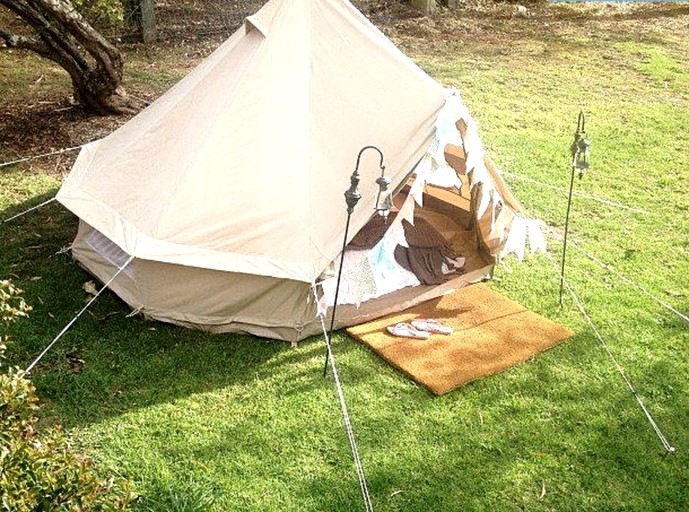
x=581 y=153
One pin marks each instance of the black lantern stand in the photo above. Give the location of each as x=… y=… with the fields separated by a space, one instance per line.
x=352 y=196
x=580 y=150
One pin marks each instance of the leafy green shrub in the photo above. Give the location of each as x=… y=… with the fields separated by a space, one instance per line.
x=41 y=471
x=109 y=12
x=12 y=305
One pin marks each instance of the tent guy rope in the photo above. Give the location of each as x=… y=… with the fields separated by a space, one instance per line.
x=21 y=214
x=67 y=327
x=345 y=414
x=590 y=197
x=29 y=158
x=612 y=270
x=666 y=444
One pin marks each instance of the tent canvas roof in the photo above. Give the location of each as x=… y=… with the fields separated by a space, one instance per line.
x=241 y=166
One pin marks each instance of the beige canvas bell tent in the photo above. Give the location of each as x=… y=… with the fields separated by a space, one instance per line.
x=228 y=190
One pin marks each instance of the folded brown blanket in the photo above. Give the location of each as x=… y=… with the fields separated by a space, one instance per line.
x=423 y=234
x=372 y=232
x=426 y=254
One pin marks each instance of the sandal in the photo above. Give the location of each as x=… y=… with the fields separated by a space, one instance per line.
x=404 y=330
x=433 y=326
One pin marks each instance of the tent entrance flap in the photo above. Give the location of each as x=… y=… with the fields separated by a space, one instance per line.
x=391 y=261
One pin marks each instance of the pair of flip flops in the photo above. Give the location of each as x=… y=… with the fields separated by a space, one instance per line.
x=418 y=329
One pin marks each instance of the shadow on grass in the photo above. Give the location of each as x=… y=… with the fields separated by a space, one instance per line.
x=583 y=445
x=107 y=363
x=36 y=235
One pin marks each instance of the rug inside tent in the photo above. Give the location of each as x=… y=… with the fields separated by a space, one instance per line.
x=490 y=334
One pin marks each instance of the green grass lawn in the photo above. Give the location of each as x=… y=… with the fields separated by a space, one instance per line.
x=208 y=422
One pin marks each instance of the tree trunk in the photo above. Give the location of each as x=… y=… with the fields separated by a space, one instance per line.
x=427 y=7
x=142 y=12
x=65 y=37
x=148 y=21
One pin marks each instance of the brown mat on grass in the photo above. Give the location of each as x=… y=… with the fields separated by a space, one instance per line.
x=491 y=333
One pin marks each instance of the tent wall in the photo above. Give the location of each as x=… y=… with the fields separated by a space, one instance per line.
x=211 y=300
x=277 y=113
x=224 y=302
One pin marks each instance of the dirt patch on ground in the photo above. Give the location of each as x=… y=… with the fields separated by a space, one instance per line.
x=49 y=125
x=36 y=122
x=510 y=23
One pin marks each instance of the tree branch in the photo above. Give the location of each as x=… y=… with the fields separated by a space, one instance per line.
x=62 y=35
x=62 y=47
x=95 y=44
x=24 y=43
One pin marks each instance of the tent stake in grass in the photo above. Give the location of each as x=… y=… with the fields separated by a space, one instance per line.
x=352 y=196
x=580 y=162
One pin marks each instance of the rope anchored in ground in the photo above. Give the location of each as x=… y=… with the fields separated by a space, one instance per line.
x=659 y=433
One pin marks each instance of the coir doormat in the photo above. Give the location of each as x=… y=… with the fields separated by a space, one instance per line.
x=491 y=334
